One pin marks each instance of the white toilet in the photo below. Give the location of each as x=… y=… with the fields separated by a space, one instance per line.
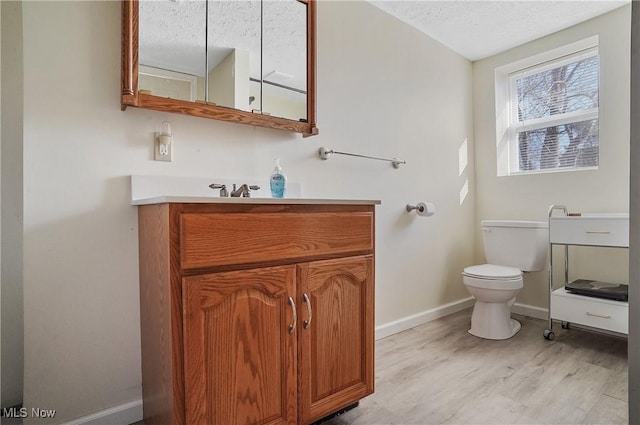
x=510 y=247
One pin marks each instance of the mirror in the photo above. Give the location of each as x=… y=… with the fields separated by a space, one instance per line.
x=251 y=62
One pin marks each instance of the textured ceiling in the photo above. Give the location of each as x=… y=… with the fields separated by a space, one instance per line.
x=478 y=29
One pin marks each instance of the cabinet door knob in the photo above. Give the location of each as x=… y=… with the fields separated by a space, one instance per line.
x=307 y=301
x=292 y=327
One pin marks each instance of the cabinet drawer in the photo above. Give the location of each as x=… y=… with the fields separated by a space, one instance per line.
x=222 y=239
x=594 y=231
x=589 y=311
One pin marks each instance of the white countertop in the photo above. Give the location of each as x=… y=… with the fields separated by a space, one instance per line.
x=229 y=200
x=147 y=190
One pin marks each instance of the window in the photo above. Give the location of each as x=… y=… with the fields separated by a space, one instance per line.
x=550 y=111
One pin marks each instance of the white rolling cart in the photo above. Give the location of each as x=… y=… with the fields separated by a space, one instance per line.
x=597 y=230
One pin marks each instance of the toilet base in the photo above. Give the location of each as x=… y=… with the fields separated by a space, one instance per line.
x=493 y=321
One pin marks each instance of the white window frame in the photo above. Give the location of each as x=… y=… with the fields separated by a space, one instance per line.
x=507 y=111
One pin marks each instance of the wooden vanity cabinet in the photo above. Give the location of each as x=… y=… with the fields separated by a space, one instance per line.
x=255 y=313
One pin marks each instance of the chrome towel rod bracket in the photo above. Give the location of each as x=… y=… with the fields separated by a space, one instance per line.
x=325 y=153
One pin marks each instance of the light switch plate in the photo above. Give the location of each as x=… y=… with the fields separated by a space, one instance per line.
x=162 y=152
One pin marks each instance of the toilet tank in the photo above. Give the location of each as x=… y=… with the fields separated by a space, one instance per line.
x=515 y=243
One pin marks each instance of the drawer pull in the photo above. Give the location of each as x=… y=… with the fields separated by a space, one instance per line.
x=598 y=232
x=598 y=315
x=292 y=327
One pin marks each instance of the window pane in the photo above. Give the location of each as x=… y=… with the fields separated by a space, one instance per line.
x=560 y=90
x=568 y=145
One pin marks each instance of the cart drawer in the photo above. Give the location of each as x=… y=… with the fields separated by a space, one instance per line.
x=589 y=311
x=598 y=230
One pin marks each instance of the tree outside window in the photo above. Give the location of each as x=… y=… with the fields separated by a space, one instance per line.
x=554 y=114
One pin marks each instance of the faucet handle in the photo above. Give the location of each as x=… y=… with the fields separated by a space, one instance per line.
x=247 y=192
x=223 y=189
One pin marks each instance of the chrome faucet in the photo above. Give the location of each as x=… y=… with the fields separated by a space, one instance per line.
x=244 y=190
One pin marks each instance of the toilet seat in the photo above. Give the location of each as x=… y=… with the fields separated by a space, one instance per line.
x=491 y=276
x=492 y=271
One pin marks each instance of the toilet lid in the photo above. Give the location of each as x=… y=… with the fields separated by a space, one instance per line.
x=491 y=271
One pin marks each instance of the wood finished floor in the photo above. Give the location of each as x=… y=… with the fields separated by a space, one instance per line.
x=439 y=374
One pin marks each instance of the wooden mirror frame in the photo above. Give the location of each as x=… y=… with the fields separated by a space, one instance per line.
x=130 y=95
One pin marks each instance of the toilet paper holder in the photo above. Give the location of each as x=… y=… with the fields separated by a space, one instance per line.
x=423 y=209
x=418 y=207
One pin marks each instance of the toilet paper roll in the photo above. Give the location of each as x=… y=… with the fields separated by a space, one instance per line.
x=425 y=209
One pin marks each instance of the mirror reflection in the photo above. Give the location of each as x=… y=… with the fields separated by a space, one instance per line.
x=284 y=59
x=255 y=60
x=171 y=49
x=233 y=51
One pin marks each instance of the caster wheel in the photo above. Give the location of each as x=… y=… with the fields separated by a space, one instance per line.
x=549 y=335
x=565 y=325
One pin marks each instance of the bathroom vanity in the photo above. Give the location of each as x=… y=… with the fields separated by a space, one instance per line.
x=570 y=306
x=255 y=310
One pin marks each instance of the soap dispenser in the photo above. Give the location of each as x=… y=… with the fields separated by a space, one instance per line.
x=278 y=181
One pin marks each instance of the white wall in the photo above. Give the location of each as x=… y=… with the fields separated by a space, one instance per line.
x=529 y=196
x=383 y=89
x=11 y=228
x=222 y=83
x=634 y=231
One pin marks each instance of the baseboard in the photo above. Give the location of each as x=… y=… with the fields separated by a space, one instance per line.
x=414 y=320
x=123 y=414
x=531 y=311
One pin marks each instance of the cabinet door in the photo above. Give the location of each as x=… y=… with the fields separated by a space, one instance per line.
x=336 y=349
x=239 y=354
